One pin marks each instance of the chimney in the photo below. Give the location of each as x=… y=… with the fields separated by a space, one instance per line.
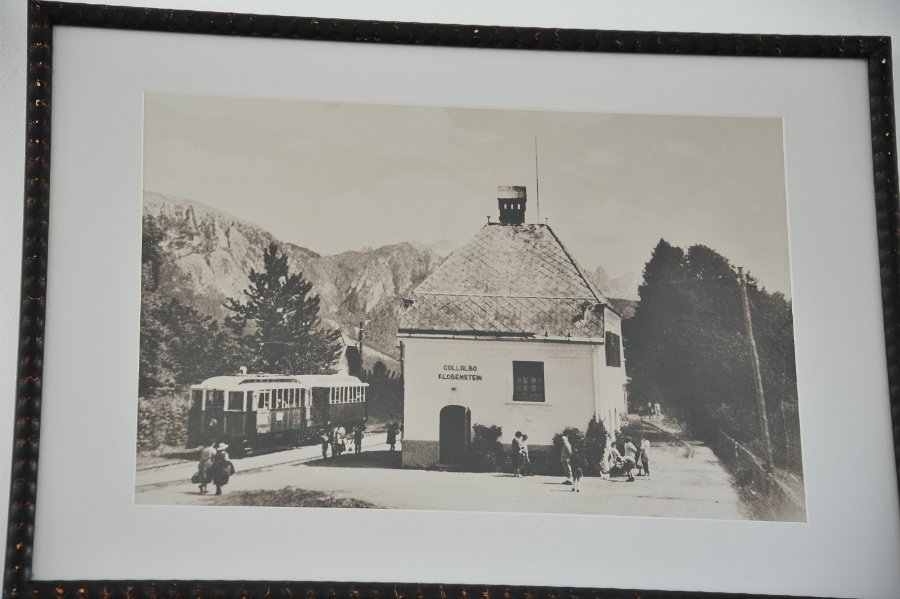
x=511 y=199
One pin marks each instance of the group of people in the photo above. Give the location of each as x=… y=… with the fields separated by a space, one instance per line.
x=337 y=439
x=521 y=461
x=612 y=463
x=214 y=467
x=634 y=457
x=654 y=411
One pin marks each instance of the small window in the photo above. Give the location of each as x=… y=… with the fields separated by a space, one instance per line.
x=528 y=380
x=236 y=401
x=613 y=350
x=215 y=399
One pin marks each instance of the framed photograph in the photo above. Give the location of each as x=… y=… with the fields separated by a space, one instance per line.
x=366 y=308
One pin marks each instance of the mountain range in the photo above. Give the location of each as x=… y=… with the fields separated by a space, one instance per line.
x=207 y=255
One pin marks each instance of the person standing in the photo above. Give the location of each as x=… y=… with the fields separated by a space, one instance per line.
x=339 y=437
x=577 y=472
x=323 y=438
x=206 y=458
x=630 y=458
x=335 y=439
x=644 y=464
x=604 y=459
x=526 y=458
x=658 y=409
x=516 y=454
x=392 y=435
x=357 y=440
x=565 y=457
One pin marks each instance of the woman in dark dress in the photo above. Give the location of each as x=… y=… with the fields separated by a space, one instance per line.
x=392 y=435
x=221 y=469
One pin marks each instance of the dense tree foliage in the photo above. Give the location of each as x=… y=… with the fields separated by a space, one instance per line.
x=178 y=345
x=278 y=323
x=687 y=349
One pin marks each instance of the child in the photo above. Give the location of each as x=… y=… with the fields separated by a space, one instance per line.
x=324 y=441
x=577 y=472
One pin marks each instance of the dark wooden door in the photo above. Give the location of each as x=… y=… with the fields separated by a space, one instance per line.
x=454 y=434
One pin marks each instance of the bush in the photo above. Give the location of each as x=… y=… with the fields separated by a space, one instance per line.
x=633 y=430
x=576 y=440
x=162 y=421
x=486 y=451
x=594 y=447
x=590 y=446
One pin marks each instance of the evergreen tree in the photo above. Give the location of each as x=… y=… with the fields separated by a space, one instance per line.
x=178 y=344
x=279 y=321
x=196 y=346
x=686 y=348
x=149 y=372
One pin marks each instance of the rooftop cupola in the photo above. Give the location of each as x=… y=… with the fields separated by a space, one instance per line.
x=511 y=199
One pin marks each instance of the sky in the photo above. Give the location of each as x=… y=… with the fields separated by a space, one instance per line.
x=333 y=177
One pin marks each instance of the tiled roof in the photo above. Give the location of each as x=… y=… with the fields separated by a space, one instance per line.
x=509 y=279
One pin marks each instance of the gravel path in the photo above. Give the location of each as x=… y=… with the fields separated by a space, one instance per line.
x=684 y=484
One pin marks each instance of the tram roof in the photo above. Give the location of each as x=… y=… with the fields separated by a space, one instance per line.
x=252 y=382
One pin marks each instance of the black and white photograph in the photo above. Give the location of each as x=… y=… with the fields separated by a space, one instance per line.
x=485 y=310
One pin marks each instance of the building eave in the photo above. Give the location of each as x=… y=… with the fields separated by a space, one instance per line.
x=496 y=336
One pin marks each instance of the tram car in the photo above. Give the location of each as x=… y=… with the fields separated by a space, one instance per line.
x=251 y=412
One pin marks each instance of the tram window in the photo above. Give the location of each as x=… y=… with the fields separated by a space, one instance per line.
x=236 y=400
x=196 y=397
x=216 y=399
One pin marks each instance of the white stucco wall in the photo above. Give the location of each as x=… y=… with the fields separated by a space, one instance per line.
x=571 y=394
x=611 y=380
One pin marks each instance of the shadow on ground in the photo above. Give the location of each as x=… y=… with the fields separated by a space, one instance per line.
x=367 y=459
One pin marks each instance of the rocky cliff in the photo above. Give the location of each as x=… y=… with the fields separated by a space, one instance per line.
x=207 y=254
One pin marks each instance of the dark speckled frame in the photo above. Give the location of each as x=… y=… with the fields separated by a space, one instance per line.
x=43 y=16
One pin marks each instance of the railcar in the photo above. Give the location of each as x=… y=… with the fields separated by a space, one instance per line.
x=252 y=412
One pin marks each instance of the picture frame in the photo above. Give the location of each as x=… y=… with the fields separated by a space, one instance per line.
x=44 y=17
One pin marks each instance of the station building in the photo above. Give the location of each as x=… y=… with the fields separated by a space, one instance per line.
x=508 y=331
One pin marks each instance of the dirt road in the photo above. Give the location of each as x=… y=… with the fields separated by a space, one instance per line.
x=687 y=482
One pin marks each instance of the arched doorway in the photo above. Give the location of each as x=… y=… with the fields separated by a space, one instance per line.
x=456 y=423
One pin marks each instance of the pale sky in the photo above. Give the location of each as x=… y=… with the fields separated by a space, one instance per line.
x=333 y=177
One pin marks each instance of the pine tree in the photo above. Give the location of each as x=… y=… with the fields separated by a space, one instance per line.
x=686 y=348
x=149 y=371
x=279 y=321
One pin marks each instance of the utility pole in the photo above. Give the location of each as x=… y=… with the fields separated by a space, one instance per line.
x=537 y=181
x=757 y=376
x=359 y=346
